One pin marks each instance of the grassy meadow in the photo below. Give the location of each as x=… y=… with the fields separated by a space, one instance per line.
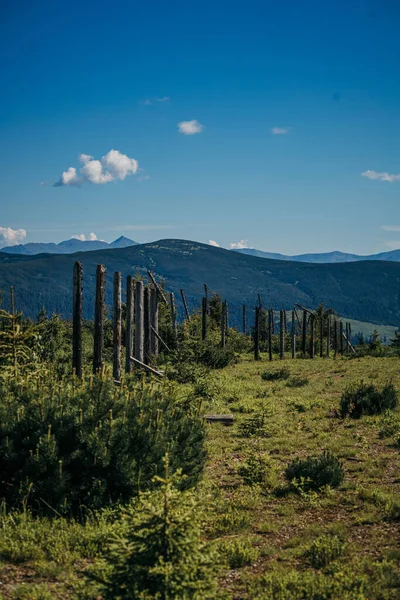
x=272 y=540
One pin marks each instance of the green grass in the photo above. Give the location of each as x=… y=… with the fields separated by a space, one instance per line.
x=276 y=543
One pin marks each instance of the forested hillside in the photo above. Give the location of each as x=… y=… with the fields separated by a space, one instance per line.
x=367 y=290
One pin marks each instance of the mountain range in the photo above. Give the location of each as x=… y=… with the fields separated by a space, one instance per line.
x=324 y=257
x=368 y=291
x=67 y=247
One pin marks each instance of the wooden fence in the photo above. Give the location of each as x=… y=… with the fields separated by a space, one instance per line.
x=143 y=339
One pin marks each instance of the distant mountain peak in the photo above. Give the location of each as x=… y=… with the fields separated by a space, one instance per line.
x=67 y=246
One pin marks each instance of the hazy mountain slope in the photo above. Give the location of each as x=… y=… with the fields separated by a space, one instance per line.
x=366 y=291
x=66 y=247
x=324 y=257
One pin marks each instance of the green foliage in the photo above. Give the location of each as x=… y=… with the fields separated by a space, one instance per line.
x=258 y=425
x=363 y=399
x=316 y=471
x=283 y=373
x=214 y=356
x=297 y=382
x=296 y=585
x=259 y=470
x=159 y=553
x=239 y=553
x=389 y=504
x=324 y=549
x=389 y=425
x=67 y=447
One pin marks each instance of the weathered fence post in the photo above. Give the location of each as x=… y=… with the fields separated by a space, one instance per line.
x=147 y=325
x=321 y=337
x=154 y=322
x=244 y=319
x=328 y=338
x=281 y=335
x=204 y=318
x=130 y=312
x=99 y=320
x=312 y=331
x=185 y=305
x=304 y=340
x=257 y=334
x=117 y=327
x=293 y=332
x=347 y=338
x=77 y=320
x=223 y=324
x=285 y=321
x=335 y=337
x=226 y=316
x=341 y=338
x=139 y=322
x=270 y=332
x=173 y=316
x=207 y=299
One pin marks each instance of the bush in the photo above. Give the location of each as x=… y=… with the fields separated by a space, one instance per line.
x=215 y=357
x=258 y=470
x=315 y=472
x=257 y=426
x=390 y=425
x=159 y=553
x=323 y=550
x=297 y=382
x=283 y=373
x=71 y=446
x=363 y=399
x=240 y=553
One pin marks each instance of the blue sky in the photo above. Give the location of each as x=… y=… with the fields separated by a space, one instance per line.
x=88 y=78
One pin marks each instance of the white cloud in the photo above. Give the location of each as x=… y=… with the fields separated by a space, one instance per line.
x=280 y=130
x=238 y=245
x=10 y=237
x=391 y=227
x=214 y=243
x=113 y=165
x=190 y=127
x=82 y=237
x=381 y=176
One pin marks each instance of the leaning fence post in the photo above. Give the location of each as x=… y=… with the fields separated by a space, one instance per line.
x=281 y=335
x=185 y=305
x=293 y=332
x=304 y=340
x=77 y=320
x=341 y=337
x=270 y=331
x=154 y=322
x=312 y=330
x=204 y=318
x=139 y=322
x=146 y=325
x=117 y=327
x=328 y=338
x=321 y=336
x=129 y=323
x=335 y=337
x=244 y=319
x=99 y=320
x=223 y=324
x=257 y=334
x=347 y=338
x=173 y=316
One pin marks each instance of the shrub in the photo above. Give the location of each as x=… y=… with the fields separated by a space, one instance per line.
x=258 y=470
x=323 y=550
x=295 y=585
x=240 y=553
x=283 y=373
x=159 y=553
x=390 y=425
x=297 y=382
x=366 y=399
x=256 y=426
x=70 y=446
x=316 y=471
x=215 y=357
